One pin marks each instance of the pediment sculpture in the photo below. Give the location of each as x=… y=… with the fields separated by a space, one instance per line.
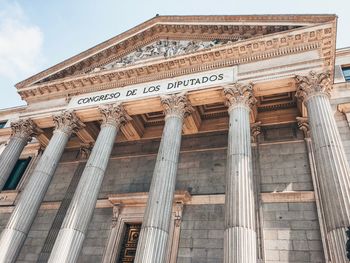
x=161 y=49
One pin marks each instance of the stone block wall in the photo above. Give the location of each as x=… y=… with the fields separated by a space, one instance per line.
x=4 y=217
x=343 y=127
x=285 y=167
x=97 y=236
x=198 y=173
x=60 y=182
x=292 y=233
x=201 y=237
x=36 y=237
x=201 y=170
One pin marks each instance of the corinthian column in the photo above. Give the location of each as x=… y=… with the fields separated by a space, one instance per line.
x=13 y=236
x=240 y=234
x=73 y=230
x=152 y=244
x=22 y=132
x=332 y=166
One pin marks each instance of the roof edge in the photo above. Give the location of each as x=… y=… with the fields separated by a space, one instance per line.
x=306 y=18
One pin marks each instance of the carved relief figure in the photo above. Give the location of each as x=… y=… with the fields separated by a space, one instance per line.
x=161 y=49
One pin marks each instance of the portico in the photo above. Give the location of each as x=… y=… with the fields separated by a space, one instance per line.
x=172 y=85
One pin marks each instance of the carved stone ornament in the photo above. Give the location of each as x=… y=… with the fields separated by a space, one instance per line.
x=255 y=130
x=239 y=94
x=85 y=150
x=178 y=214
x=303 y=125
x=67 y=122
x=313 y=84
x=116 y=213
x=176 y=105
x=161 y=49
x=25 y=128
x=114 y=114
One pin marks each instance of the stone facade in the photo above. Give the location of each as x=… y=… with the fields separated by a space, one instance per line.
x=283 y=166
x=292 y=233
x=227 y=172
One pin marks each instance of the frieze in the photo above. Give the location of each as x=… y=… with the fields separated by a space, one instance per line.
x=161 y=49
x=157 y=88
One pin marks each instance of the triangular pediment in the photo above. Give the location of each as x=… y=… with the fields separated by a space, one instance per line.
x=168 y=37
x=168 y=41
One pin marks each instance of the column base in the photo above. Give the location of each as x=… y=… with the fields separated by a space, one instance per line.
x=240 y=245
x=10 y=243
x=337 y=245
x=155 y=246
x=67 y=246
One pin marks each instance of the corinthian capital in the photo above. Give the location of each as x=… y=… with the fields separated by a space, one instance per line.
x=67 y=122
x=25 y=128
x=313 y=84
x=176 y=105
x=114 y=114
x=239 y=94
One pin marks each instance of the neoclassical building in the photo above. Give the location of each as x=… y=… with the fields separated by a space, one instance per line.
x=188 y=139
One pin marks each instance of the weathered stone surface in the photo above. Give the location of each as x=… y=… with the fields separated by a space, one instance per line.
x=240 y=217
x=96 y=236
x=332 y=166
x=156 y=222
x=202 y=234
x=289 y=233
x=15 y=233
x=203 y=172
x=37 y=235
x=72 y=233
x=22 y=132
x=284 y=167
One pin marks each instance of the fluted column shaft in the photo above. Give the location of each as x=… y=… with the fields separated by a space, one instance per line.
x=240 y=231
x=17 y=228
x=332 y=166
x=152 y=244
x=22 y=132
x=334 y=174
x=73 y=230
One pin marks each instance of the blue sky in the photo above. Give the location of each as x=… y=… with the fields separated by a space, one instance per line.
x=35 y=35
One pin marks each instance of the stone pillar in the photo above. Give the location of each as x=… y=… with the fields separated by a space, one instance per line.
x=22 y=132
x=156 y=222
x=303 y=125
x=74 y=227
x=17 y=228
x=331 y=163
x=255 y=131
x=240 y=237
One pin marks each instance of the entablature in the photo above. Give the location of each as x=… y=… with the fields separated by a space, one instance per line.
x=147 y=122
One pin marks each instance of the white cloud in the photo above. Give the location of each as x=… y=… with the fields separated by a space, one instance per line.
x=20 y=43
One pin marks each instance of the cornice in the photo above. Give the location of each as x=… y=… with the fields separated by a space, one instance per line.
x=343 y=52
x=309 y=18
x=147 y=26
